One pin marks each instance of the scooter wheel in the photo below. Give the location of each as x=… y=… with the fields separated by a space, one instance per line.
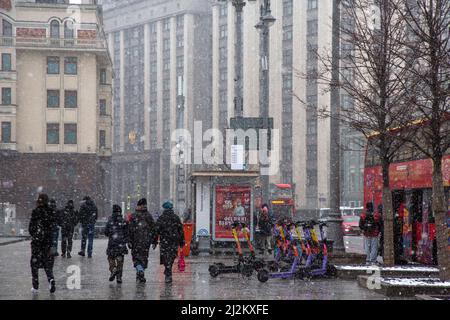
x=247 y=271
x=331 y=270
x=214 y=271
x=263 y=275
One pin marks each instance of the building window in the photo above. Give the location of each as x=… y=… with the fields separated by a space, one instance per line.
x=102 y=139
x=6 y=62
x=287 y=7
x=166 y=25
x=70 y=65
x=54 y=29
x=103 y=76
x=70 y=133
x=6 y=132
x=7 y=28
x=70 y=99
x=287 y=34
x=223 y=31
x=69 y=29
x=180 y=62
x=52 y=98
x=166 y=64
x=6 y=96
x=52 y=133
x=153 y=27
x=180 y=41
x=153 y=47
x=312 y=4
x=166 y=45
x=312 y=28
x=180 y=21
x=223 y=10
x=102 y=106
x=52 y=65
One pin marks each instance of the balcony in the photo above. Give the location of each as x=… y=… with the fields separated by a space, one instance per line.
x=10 y=146
x=37 y=43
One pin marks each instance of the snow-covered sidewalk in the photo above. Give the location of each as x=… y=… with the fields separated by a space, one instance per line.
x=353 y=271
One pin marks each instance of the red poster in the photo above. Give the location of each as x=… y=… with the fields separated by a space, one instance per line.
x=232 y=203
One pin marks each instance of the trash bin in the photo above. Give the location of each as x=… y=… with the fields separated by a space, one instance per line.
x=187 y=229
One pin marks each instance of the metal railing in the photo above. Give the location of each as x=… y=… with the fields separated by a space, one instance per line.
x=59 y=43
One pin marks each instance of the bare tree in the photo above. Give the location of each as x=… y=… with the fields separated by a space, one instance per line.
x=372 y=76
x=428 y=63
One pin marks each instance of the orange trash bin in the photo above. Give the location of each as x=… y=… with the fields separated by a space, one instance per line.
x=188 y=230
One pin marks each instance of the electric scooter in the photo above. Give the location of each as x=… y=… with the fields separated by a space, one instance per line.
x=244 y=265
x=283 y=273
x=317 y=261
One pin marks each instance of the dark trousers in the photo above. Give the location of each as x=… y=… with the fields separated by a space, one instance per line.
x=67 y=241
x=87 y=235
x=55 y=239
x=168 y=264
x=35 y=266
x=116 y=265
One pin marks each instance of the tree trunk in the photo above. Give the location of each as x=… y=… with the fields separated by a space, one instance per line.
x=388 y=217
x=440 y=215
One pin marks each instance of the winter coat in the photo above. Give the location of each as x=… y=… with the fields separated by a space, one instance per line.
x=68 y=219
x=43 y=224
x=265 y=225
x=370 y=224
x=141 y=230
x=171 y=236
x=117 y=231
x=88 y=213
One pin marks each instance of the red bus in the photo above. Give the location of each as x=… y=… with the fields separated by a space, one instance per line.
x=282 y=203
x=411 y=183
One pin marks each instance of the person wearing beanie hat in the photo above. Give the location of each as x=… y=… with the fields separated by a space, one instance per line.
x=141 y=232
x=169 y=231
x=41 y=229
x=117 y=232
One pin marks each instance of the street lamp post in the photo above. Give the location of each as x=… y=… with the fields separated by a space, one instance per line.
x=266 y=20
x=238 y=67
x=335 y=219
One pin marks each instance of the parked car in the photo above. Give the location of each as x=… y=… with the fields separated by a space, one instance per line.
x=350 y=226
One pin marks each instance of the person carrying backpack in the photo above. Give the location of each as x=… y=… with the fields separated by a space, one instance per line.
x=370 y=224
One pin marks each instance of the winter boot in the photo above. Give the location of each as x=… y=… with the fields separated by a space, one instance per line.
x=81 y=253
x=119 y=278
x=68 y=255
x=63 y=255
x=168 y=279
x=52 y=286
x=140 y=277
x=113 y=275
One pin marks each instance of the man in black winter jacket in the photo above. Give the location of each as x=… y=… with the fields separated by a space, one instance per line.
x=68 y=221
x=171 y=237
x=42 y=229
x=141 y=229
x=88 y=218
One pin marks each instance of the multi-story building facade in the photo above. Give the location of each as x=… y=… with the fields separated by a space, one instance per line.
x=302 y=29
x=162 y=61
x=55 y=114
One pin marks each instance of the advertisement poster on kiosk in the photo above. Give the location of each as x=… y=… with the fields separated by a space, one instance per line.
x=231 y=203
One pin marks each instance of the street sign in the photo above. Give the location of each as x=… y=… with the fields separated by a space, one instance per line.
x=256 y=124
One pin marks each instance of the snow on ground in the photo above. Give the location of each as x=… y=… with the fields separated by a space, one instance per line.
x=395 y=268
x=416 y=282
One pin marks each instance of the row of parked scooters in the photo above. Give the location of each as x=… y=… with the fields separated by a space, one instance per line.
x=298 y=254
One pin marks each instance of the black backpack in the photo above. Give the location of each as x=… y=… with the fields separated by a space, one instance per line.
x=370 y=224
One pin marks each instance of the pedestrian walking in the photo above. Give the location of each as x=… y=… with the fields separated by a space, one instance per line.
x=68 y=221
x=87 y=217
x=117 y=232
x=265 y=230
x=57 y=214
x=370 y=224
x=169 y=230
x=141 y=233
x=42 y=228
